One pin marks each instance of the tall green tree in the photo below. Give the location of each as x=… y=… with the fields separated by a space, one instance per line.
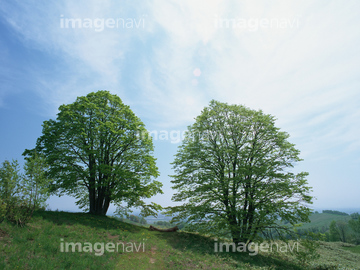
x=333 y=232
x=14 y=204
x=96 y=153
x=232 y=172
x=355 y=216
x=10 y=179
x=338 y=230
x=354 y=224
x=35 y=183
x=343 y=229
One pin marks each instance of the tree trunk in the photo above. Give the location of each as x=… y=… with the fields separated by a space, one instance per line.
x=99 y=197
x=99 y=205
x=106 y=205
x=92 y=201
x=92 y=188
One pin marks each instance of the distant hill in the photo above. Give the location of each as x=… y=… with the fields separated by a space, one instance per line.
x=348 y=210
x=323 y=219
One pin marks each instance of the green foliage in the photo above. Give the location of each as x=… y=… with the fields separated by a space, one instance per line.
x=354 y=225
x=14 y=204
x=137 y=219
x=345 y=231
x=18 y=211
x=339 y=231
x=98 y=151
x=233 y=170
x=143 y=221
x=342 y=228
x=334 y=234
x=2 y=210
x=35 y=183
x=308 y=250
x=9 y=180
x=182 y=225
x=134 y=218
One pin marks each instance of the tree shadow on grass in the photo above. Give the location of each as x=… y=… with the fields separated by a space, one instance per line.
x=205 y=245
x=93 y=221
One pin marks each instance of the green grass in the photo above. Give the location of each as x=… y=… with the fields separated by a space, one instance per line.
x=337 y=254
x=38 y=245
x=355 y=249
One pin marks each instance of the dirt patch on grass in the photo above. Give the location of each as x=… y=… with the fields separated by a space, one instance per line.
x=112 y=237
x=34 y=226
x=3 y=234
x=153 y=252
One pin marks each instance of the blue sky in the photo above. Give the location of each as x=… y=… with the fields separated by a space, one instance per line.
x=296 y=60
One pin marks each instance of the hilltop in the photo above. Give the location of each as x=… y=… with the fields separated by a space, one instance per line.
x=323 y=219
x=39 y=245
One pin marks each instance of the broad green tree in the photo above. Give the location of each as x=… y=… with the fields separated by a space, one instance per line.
x=338 y=230
x=96 y=153
x=343 y=229
x=233 y=175
x=355 y=223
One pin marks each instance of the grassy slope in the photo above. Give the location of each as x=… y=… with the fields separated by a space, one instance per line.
x=37 y=246
x=323 y=219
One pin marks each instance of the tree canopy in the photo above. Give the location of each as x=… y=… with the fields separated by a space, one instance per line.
x=232 y=172
x=96 y=153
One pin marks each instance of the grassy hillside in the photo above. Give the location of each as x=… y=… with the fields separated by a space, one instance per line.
x=39 y=245
x=323 y=219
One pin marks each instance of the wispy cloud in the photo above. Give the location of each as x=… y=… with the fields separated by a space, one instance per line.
x=304 y=71
x=83 y=60
x=297 y=71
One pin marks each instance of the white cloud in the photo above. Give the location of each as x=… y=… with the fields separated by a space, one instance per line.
x=300 y=73
x=306 y=73
x=88 y=60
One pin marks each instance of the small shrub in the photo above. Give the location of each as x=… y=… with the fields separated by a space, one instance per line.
x=18 y=212
x=307 y=252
